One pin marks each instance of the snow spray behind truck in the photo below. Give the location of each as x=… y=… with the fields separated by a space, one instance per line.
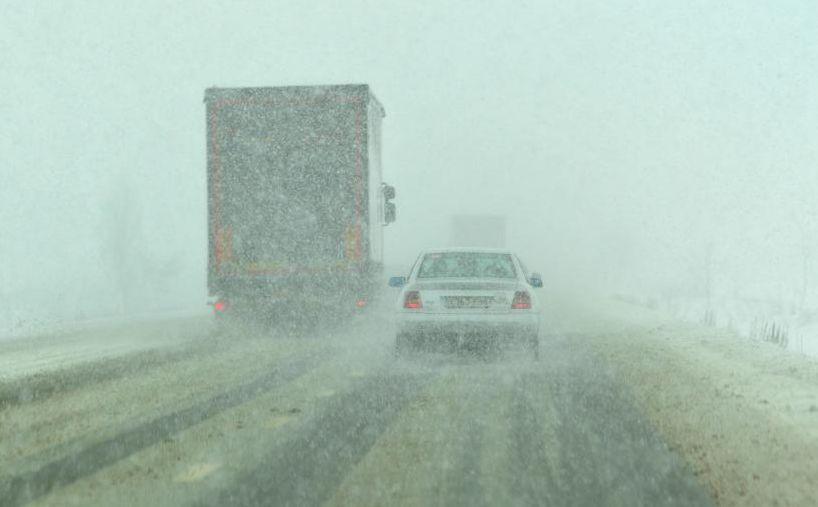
x=296 y=205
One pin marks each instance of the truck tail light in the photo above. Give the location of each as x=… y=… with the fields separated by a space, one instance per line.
x=521 y=301
x=412 y=300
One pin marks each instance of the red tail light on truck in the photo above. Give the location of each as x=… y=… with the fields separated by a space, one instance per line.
x=412 y=300
x=521 y=301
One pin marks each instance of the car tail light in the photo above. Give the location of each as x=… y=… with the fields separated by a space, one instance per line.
x=521 y=301
x=360 y=303
x=412 y=300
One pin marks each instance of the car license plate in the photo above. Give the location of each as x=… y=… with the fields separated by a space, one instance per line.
x=468 y=301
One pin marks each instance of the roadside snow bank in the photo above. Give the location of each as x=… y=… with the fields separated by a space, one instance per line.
x=19 y=328
x=97 y=339
x=757 y=319
x=37 y=367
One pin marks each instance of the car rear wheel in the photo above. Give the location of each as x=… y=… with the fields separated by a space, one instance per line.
x=403 y=344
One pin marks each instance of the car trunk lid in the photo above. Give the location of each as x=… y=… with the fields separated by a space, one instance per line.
x=466 y=296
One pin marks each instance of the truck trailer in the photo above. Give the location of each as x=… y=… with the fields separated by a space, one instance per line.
x=296 y=204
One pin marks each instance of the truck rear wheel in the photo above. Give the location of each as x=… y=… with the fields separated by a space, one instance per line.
x=403 y=344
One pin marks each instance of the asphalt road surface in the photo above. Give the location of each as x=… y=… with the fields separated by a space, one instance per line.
x=331 y=417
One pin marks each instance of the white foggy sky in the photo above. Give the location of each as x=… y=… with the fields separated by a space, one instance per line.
x=617 y=136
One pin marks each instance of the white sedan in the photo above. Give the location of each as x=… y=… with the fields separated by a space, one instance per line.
x=457 y=294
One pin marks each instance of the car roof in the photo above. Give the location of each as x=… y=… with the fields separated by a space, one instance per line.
x=468 y=249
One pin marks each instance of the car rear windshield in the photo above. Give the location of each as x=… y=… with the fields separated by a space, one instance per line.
x=467 y=265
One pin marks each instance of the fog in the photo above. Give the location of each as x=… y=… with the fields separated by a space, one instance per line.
x=635 y=148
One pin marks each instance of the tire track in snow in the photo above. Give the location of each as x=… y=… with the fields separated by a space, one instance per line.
x=608 y=451
x=532 y=475
x=309 y=468
x=30 y=485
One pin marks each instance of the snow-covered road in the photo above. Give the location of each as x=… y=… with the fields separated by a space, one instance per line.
x=625 y=407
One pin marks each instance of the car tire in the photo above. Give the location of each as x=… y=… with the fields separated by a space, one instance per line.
x=403 y=344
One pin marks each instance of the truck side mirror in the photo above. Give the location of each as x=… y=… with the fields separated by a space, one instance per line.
x=389 y=211
x=388 y=192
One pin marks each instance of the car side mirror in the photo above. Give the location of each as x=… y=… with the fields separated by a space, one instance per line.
x=397 y=281
x=535 y=280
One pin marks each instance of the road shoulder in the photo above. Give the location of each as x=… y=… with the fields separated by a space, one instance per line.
x=743 y=414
